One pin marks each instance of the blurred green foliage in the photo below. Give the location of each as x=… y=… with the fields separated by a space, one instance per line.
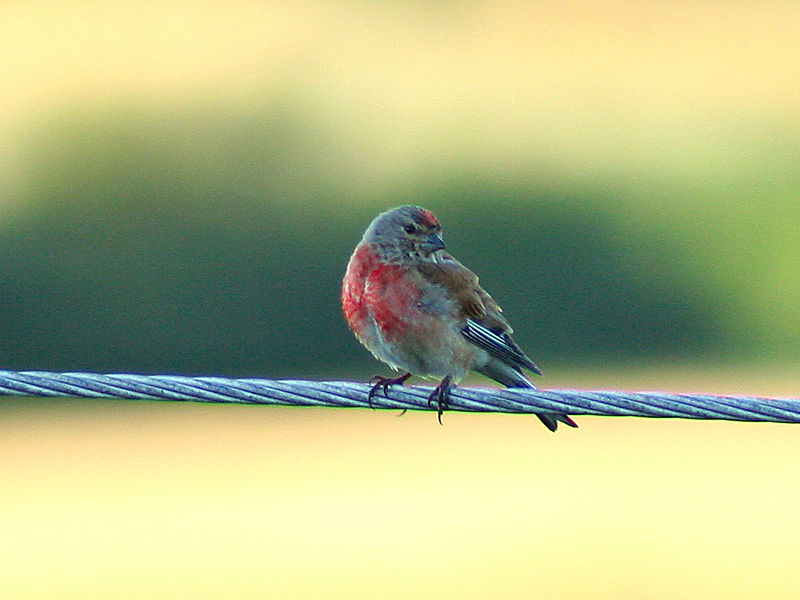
x=215 y=243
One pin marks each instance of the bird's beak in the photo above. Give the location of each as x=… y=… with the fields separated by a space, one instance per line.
x=432 y=243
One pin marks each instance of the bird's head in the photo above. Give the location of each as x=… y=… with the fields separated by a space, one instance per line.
x=406 y=232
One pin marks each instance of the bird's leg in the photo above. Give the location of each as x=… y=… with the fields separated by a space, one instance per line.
x=379 y=382
x=440 y=396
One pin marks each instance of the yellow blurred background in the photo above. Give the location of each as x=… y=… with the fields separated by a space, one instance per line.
x=181 y=185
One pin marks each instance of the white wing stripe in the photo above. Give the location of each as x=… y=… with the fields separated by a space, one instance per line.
x=498 y=345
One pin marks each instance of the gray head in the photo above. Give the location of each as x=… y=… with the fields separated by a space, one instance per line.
x=405 y=232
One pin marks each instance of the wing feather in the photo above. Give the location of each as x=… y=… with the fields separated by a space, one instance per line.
x=484 y=322
x=497 y=344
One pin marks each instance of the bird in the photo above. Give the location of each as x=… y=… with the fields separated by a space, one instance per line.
x=420 y=311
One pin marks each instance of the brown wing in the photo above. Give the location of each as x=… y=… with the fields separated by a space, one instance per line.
x=484 y=323
x=462 y=284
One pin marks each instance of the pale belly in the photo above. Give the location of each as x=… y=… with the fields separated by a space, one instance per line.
x=431 y=347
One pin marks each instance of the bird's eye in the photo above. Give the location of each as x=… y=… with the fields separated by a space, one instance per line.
x=410 y=228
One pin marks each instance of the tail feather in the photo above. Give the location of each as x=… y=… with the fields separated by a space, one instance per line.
x=513 y=377
x=551 y=420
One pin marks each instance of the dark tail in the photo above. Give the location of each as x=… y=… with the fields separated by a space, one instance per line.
x=551 y=421
x=512 y=377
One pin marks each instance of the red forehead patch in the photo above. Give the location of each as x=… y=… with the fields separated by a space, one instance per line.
x=427 y=217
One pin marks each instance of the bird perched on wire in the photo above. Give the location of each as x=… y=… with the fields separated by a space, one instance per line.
x=419 y=310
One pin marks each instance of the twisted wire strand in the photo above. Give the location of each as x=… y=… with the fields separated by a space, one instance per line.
x=355 y=395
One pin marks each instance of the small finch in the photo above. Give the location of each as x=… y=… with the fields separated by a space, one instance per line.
x=419 y=310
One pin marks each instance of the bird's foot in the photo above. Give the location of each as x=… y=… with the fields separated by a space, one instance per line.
x=440 y=396
x=379 y=382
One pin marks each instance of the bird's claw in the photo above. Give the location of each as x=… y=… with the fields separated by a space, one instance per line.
x=379 y=382
x=439 y=394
